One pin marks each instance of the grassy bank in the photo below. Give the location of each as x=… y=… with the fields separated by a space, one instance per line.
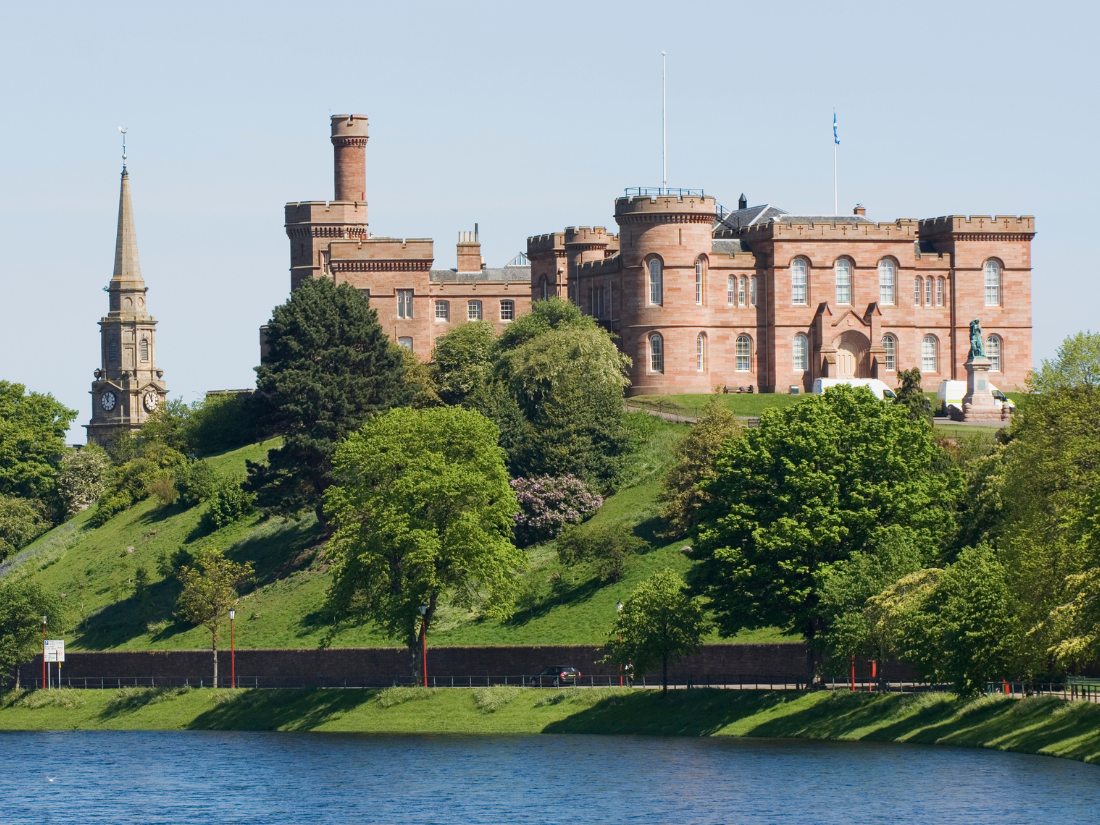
x=1042 y=726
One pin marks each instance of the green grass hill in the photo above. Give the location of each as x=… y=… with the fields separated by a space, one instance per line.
x=95 y=569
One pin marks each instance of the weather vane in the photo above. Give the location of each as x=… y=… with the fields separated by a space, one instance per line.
x=124 y=130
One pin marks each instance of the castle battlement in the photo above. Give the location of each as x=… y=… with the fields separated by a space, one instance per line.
x=1006 y=224
x=542 y=244
x=604 y=266
x=653 y=206
x=596 y=235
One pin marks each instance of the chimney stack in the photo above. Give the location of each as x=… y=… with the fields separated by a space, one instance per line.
x=349 y=145
x=860 y=210
x=469 y=251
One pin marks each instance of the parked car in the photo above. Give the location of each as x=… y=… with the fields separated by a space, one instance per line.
x=878 y=388
x=557 y=676
x=950 y=394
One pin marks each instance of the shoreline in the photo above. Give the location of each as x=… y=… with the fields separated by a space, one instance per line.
x=1043 y=726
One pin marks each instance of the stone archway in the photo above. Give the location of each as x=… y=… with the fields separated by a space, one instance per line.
x=852 y=355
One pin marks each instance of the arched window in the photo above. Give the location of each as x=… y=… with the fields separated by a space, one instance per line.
x=741 y=291
x=752 y=291
x=730 y=289
x=890 y=352
x=407 y=343
x=798 y=281
x=800 y=353
x=701 y=352
x=928 y=292
x=700 y=279
x=939 y=292
x=656 y=353
x=916 y=291
x=887 y=281
x=742 y=354
x=993 y=352
x=842 y=269
x=656 y=289
x=473 y=310
x=992 y=284
x=144 y=349
x=928 y=355
x=442 y=310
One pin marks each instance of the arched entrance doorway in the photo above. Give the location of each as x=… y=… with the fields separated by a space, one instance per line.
x=852 y=355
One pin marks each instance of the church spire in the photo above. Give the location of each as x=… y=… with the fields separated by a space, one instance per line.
x=126 y=252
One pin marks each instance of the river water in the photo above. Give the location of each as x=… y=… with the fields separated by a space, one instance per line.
x=173 y=777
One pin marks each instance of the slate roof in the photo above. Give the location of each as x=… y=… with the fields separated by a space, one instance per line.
x=851 y=220
x=728 y=246
x=742 y=218
x=498 y=275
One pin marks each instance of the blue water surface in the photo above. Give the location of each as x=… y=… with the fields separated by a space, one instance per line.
x=183 y=777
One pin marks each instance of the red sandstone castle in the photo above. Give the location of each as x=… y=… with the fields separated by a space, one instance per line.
x=700 y=296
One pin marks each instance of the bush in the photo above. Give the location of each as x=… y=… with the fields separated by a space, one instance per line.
x=195 y=482
x=492 y=699
x=21 y=522
x=606 y=547
x=109 y=507
x=228 y=504
x=164 y=488
x=82 y=478
x=548 y=504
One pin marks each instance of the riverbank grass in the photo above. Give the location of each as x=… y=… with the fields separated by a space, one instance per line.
x=1042 y=726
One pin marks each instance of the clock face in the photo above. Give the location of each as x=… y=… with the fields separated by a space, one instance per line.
x=150 y=400
x=107 y=400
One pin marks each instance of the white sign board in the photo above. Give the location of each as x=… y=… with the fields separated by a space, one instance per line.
x=55 y=650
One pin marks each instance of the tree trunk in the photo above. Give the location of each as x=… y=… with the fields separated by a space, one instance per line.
x=413 y=644
x=214 y=645
x=17 y=677
x=664 y=674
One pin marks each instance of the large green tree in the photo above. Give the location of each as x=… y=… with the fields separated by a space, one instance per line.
x=329 y=368
x=32 y=440
x=659 y=623
x=463 y=360
x=21 y=521
x=813 y=486
x=424 y=512
x=23 y=603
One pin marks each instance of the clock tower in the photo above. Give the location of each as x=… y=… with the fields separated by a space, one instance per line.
x=128 y=387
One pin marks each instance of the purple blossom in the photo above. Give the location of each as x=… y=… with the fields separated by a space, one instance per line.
x=548 y=503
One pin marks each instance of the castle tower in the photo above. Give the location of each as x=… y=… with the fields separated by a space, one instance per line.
x=128 y=387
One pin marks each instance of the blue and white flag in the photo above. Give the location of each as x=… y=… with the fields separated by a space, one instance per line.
x=835 y=138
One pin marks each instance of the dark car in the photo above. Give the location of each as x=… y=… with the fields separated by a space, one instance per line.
x=556 y=676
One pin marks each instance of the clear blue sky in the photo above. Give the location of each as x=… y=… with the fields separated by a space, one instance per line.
x=521 y=117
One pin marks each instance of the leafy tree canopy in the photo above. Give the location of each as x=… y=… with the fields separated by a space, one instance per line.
x=23 y=603
x=545 y=315
x=911 y=395
x=423 y=509
x=210 y=585
x=811 y=487
x=659 y=623
x=329 y=368
x=32 y=439
x=1076 y=364
x=82 y=477
x=606 y=547
x=21 y=522
x=463 y=360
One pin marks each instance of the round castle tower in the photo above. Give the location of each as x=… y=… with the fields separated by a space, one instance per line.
x=349 y=146
x=662 y=240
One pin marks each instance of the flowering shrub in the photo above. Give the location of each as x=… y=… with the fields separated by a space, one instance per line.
x=549 y=503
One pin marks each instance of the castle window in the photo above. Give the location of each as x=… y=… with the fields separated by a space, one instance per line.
x=742 y=353
x=473 y=310
x=890 y=352
x=916 y=291
x=842 y=269
x=752 y=290
x=887 y=281
x=656 y=353
x=928 y=355
x=543 y=288
x=442 y=310
x=928 y=292
x=700 y=280
x=730 y=290
x=701 y=352
x=407 y=343
x=112 y=352
x=507 y=310
x=939 y=292
x=800 y=353
x=741 y=291
x=993 y=352
x=992 y=284
x=404 y=303
x=656 y=288
x=144 y=349
x=798 y=281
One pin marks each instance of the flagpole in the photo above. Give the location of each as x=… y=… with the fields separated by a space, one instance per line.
x=664 y=128
x=836 y=200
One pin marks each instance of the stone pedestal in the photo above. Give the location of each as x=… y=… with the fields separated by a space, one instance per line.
x=978 y=404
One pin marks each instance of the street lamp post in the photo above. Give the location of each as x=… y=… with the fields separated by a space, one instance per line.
x=232 y=653
x=424 y=642
x=619 y=610
x=43 y=651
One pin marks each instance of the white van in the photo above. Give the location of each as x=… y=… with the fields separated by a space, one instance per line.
x=950 y=394
x=878 y=388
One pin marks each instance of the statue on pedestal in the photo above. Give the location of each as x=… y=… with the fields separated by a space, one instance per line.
x=977 y=346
